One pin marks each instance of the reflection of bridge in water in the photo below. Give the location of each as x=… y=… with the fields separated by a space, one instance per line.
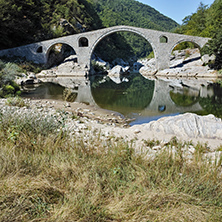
x=161 y=103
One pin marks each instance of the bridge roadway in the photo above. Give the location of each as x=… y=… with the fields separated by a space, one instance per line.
x=84 y=44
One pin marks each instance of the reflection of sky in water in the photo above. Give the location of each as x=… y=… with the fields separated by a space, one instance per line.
x=147 y=119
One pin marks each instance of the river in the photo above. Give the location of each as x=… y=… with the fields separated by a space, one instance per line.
x=141 y=98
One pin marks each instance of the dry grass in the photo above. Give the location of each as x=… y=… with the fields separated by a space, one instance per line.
x=51 y=177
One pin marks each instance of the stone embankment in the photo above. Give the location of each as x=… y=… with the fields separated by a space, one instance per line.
x=87 y=123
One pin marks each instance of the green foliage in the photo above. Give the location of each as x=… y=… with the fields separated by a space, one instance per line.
x=206 y=22
x=27 y=21
x=151 y=55
x=131 y=13
x=9 y=90
x=184 y=45
x=8 y=72
x=197 y=23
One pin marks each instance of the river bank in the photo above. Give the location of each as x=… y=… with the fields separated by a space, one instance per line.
x=57 y=166
x=88 y=122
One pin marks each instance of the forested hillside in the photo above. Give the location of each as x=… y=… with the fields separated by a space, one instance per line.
x=27 y=21
x=206 y=22
x=131 y=12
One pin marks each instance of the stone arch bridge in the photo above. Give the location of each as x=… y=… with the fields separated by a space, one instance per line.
x=84 y=44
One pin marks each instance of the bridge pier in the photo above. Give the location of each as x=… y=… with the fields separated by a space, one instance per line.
x=162 y=57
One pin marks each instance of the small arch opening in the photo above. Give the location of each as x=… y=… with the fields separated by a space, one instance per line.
x=83 y=42
x=39 y=50
x=163 y=39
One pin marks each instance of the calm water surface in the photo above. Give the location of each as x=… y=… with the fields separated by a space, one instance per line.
x=141 y=98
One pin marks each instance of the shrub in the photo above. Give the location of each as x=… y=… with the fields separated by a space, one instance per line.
x=16 y=101
x=8 y=90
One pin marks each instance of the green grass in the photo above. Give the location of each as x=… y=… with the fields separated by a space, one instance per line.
x=47 y=176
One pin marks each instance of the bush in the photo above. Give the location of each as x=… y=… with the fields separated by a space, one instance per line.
x=8 y=90
x=8 y=72
x=16 y=101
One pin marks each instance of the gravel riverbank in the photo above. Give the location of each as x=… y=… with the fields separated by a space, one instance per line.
x=88 y=122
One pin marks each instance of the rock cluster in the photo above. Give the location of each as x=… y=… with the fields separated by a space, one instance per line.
x=183 y=63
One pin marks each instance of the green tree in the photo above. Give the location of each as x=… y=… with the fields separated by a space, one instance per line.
x=215 y=45
x=206 y=22
x=27 y=21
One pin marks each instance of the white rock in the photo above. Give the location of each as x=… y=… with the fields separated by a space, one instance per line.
x=189 y=125
x=136 y=131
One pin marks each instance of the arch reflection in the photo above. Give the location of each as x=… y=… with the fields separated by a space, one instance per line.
x=124 y=94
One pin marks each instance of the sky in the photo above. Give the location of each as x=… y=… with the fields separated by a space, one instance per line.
x=176 y=9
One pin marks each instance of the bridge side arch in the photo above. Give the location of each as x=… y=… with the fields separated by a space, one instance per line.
x=196 y=43
x=48 y=48
x=121 y=30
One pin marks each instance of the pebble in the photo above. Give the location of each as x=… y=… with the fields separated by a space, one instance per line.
x=157 y=148
x=136 y=131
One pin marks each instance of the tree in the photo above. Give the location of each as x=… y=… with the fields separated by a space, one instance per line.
x=206 y=22
x=215 y=45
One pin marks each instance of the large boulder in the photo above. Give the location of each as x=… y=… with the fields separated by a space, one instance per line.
x=119 y=70
x=189 y=125
x=206 y=59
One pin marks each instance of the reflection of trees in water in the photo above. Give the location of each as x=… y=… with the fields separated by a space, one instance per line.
x=135 y=94
x=44 y=91
x=183 y=98
x=213 y=104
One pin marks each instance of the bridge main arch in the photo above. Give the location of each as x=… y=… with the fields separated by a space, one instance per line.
x=120 y=29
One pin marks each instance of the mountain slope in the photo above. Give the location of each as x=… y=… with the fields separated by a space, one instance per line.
x=27 y=21
x=131 y=12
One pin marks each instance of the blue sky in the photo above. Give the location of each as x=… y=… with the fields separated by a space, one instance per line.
x=176 y=9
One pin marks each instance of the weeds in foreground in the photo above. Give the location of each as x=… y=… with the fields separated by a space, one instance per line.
x=52 y=177
x=16 y=101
